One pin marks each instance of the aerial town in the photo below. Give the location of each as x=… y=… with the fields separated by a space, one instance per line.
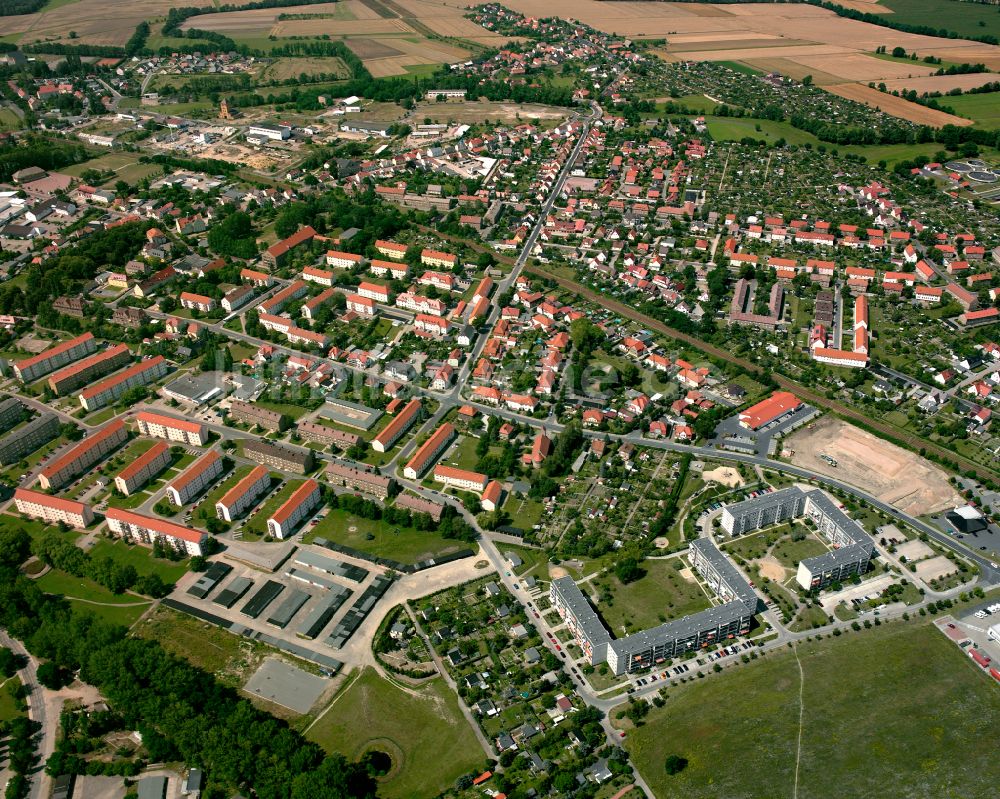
x=590 y=397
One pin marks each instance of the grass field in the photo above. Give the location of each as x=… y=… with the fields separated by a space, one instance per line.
x=9 y=120
x=953 y=15
x=207 y=505
x=9 y=709
x=660 y=595
x=126 y=167
x=140 y=558
x=388 y=541
x=86 y=596
x=900 y=701
x=983 y=109
x=207 y=646
x=428 y=739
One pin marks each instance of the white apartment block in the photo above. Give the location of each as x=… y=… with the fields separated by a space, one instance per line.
x=183 y=430
x=199 y=476
x=53 y=509
x=297 y=509
x=243 y=494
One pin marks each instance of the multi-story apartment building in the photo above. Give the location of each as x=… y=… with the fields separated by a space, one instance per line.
x=143 y=469
x=296 y=510
x=397 y=428
x=290 y=293
x=261 y=280
x=84 y=455
x=112 y=388
x=197 y=302
x=26 y=439
x=323 y=277
x=70 y=378
x=196 y=478
x=420 y=304
x=53 y=509
x=442 y=260
x=853 y=547
x=391 y=249
x=393 y=270
x=343 y=260
x=312 y=306
x=429 y=451
x=147 y=530
x=315 y=431
x=460 y=478
x=54 y=358
x=12 y=412
x=159 y=425
x=763 y=511
x=243 y=495
x=253 y=414
x=373 y=291
x=237 y=298
x=282 y=458
x=420 y=505
x=362 y=306
x=276 y=255
x=371 y=482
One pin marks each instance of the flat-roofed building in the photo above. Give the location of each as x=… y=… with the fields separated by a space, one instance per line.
x=29 y=437
x=763 y=511
x=282 y=458
x=91 y=368
x=369 y=481
x=12 y=412
x=397 y=428
x=243 y=495
x=321 y=433
x=112 y=388
x=295 y=510
x=159 y=425
x=429 y=451
x=460 y=478
x=147 y=530
x=196 y=478
x=63 y=354
x=143 y=469
x=84 y=455
x=253 y=414
x=53 y=509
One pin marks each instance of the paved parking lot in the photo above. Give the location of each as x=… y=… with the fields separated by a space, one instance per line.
x=286 y=685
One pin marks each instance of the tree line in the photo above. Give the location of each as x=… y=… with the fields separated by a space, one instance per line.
x=184 y=713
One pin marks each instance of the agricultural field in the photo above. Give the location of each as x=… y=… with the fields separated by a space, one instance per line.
x=858 y=694
x=421 y=730
x=896 y=106
x=291 y=68
x=968 y=19
x=983 y=109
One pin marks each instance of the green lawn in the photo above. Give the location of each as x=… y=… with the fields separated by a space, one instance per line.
x=424 y=732
x=388 y=541
x=293 y=411
x=9 y=120
x=9 y=709
x=658 y=596
x=206 y=508
x=257 y=525
x=790 y=552
x=984 y=109
x=139 y=557
x=899 y=700
x=734 y=129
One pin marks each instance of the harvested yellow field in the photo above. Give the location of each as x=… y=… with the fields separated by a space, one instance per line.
x=896 y=106
x=943 y=83
x=793 y=69
x=447 y=20
x=337 y=29
x=860 y=67
x=254 y=19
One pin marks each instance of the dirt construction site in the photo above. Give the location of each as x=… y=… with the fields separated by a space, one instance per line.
x=892 y=474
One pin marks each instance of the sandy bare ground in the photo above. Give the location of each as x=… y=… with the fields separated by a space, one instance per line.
x=943 y=83
x=897 y=106
x=726 y=475
x=892 y=474
x=771 y=568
